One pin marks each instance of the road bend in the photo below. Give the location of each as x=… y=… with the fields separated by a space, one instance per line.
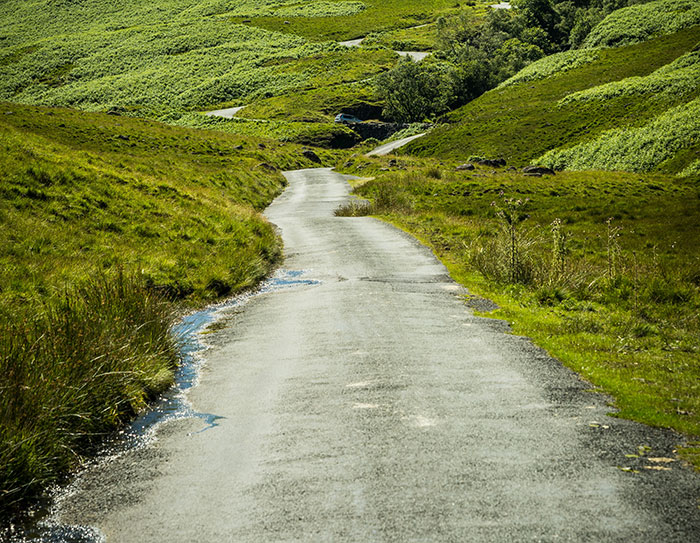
x=370 y=404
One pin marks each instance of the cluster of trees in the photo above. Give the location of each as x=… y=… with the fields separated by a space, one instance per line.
x=476 y=54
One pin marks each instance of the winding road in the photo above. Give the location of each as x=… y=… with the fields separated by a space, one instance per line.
x=369 y=404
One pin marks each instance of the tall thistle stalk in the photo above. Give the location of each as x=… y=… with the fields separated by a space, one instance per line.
x=512 y=214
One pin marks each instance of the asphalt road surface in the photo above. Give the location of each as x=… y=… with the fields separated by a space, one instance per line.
x=393 y=145
x=373 y=405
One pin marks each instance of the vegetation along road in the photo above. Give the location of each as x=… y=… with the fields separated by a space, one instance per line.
x=370 y=404
x=372 y=387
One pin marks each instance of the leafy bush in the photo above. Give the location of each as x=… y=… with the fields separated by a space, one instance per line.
x=415 y=91
x=635 y=149
x=642 y=22
x=534 y=123
x=677 y=78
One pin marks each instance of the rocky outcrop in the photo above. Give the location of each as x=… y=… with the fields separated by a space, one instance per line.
x=537 y=171
x=493 y=163
x=310 y=155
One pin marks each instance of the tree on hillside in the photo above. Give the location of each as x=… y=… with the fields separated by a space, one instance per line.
x=475 y=54
x=414 y=91
x=541 y=14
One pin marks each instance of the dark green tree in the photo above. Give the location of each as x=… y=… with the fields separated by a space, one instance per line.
x=414 y=91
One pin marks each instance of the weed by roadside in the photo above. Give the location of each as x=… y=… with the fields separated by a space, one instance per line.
x=74 y=368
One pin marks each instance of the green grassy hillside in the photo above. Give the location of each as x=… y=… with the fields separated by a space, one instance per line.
x=318 y=22
x=566 y=105
x=641 y=22
x=159 y=60
x=168 y=60
x=86 y=191
x=105 y=221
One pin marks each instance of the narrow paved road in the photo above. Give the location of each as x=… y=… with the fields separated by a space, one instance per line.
x=373 y=406
x=393 y=145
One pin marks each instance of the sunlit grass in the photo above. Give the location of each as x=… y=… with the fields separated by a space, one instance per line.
x=531 y=115
x=73 y=368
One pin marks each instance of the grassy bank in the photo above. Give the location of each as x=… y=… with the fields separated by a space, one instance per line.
x=74 y=368
x=108 y=223
x=601 y=269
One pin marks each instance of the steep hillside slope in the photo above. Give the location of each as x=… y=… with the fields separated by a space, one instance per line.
x=629 y=108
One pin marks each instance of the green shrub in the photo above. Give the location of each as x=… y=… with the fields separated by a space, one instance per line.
x=414 y=91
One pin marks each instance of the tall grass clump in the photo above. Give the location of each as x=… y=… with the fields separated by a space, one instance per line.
x=504 y=257
x=73 y=368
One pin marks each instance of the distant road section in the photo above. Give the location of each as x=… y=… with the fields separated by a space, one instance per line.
x=393 y=145
x=229 y=113
x=352 y=43
x=415 y=55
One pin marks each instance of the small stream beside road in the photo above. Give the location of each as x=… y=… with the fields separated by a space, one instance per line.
x=40 y=525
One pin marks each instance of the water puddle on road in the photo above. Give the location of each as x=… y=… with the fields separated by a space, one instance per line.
x=40 y=524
